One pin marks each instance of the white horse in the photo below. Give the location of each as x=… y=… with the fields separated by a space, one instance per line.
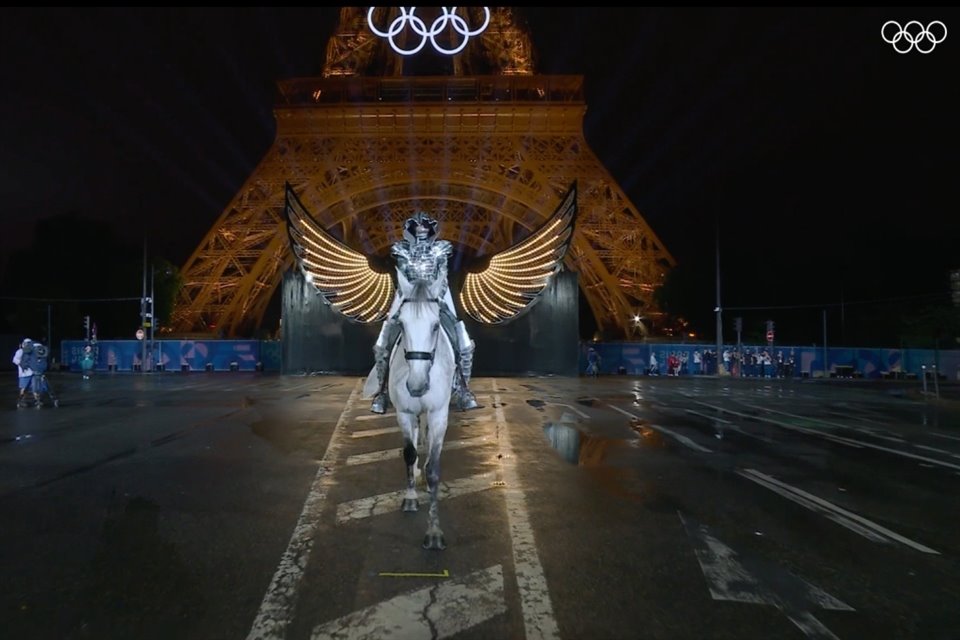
x=420 y=383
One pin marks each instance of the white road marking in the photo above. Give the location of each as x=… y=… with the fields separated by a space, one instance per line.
x=728 y=579
x=839 y=439
x=943 y=435
x=869 y=432
x=867 y=528
x=376 y=416
x=441 y=611
x=708 y=416
x=388 y=502
x=279 y=602
x=934 y=449
x=390 y=454
x=572 y=408
x=538 y=619
x=369 y=433
x=682 y=439
x=810 y=626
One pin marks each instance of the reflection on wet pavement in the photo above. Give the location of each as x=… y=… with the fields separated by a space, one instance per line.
x=598 y=455
x=649 y=438
x=586 y=450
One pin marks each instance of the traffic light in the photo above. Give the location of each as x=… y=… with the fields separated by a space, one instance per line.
x=738 y=324
x=86 y=324
x=769 y=326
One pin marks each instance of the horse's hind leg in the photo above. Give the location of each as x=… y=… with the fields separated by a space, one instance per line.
x=408 y=424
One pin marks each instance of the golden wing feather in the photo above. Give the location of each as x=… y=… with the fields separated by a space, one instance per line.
x=341 y=275
x=514 y=279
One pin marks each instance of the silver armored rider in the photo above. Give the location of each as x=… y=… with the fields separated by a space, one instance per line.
x=421 y=256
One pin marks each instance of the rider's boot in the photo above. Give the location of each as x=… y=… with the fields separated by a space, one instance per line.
x=381 y=399
x=467 y=399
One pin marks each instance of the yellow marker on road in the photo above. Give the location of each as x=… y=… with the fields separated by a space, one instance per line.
x=389 y=574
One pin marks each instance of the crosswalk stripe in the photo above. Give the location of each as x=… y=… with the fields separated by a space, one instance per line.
x=391 y=454
x=439 y=611
x=387 y=502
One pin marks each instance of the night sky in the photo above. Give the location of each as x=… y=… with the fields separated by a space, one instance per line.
x=828 y=160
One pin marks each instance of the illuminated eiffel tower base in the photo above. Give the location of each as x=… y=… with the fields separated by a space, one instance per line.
x=490 y=156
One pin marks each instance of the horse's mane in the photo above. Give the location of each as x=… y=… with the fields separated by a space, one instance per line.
x=419 y=295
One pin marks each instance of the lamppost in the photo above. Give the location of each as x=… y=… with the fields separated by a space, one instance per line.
x=143 y=311
x=718 y=309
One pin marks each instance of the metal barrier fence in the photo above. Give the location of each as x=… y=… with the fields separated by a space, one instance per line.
x=633 y=358
x=175 y=355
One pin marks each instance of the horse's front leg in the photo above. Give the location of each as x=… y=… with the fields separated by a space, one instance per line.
x=437 y=429
x=409 y=426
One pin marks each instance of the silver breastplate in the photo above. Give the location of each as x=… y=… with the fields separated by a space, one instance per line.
x=423 y=261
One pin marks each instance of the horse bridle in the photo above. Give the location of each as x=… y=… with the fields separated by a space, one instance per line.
x=419 y=355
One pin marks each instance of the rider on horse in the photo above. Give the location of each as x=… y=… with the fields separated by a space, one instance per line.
x=421 y=256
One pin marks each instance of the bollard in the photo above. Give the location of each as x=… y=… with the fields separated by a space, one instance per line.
x=184 y=368
x=936 y=381
x=234 y=366
x=208 y=367
x=923 y=374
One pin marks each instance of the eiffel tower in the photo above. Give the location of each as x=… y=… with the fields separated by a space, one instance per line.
x=480 y=141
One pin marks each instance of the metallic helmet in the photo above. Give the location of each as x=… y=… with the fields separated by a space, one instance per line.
x=420 y=227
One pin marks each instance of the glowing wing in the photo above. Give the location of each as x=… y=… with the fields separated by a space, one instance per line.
x=343 y=277
x=514 y=279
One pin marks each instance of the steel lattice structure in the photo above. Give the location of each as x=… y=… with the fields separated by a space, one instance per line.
x=489 y=156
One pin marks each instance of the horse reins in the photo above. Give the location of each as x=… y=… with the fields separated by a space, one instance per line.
x=418 y=355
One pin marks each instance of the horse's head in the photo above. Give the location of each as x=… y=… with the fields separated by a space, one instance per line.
x=419 y=317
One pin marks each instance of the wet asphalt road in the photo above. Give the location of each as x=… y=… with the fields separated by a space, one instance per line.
x=235 y=506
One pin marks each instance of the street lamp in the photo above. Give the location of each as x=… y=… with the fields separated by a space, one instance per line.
x=718 y=309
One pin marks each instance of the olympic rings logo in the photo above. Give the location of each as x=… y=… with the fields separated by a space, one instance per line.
x=419 y=27
x=913 y=34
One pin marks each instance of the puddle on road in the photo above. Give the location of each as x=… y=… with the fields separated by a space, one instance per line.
x=585 y=450
x=537 y=404
x=576 y=447
x=599 y=455
x=649 y=438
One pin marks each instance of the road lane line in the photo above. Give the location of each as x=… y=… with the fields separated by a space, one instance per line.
x=682 y=439
x=839 y=439
x=870 y=432
x=574 y=409
x=772 y=483
x=538 y=619
x=935 y=450
x=708 y=416
x=279 y=602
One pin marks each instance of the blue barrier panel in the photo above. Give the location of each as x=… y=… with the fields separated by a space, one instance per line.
x=125 y=355
x=634 y=357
